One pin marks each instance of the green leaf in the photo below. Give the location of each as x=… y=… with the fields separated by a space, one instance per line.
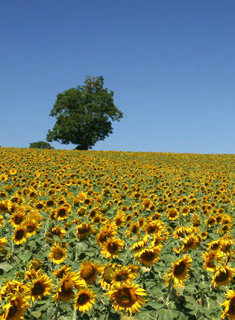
x=5 y=266
x=26 y=255
x=36 y=314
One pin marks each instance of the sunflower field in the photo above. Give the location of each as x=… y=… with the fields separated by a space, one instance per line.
x=116 y=235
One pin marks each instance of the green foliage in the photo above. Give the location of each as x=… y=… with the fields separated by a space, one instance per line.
x=40 y=145
x=84 y=114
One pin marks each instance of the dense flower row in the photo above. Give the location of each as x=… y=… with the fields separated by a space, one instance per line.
x=108 y=230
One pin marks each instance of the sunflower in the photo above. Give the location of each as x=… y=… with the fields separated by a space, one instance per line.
x=149 y=255
x=57 y=254
x=13 y=171
x=4 y=177
x=223 y=276
x=226 y=244
x=3 y=242
x=107 y=276
x=172 y=214
x=229 y=305
x=15 y=308
x=61 y=213
x=93 y=212
x=59 y=231
x=210 y=258
x=214 y=245
x=106 y=232
x=112 y=247
x=50 y=203
x=1 y=221
x=84 y=300
x=34 y=215
x=17 y=199
x=154 y=227
x=211 y=221
x=180 y=270
x=39 y=205
x=133 y=269
x=181 y=232
x=203 y=235
x=89 y=271
x=11 y=288
x=65 y=291
x=147 y=204
x=128 y=297
x=185 y=210
x=31 y=227
x=82 y=196
x=59 y=273
x=119 y=219
x=122 y=274
x=17 y=218
x=81 y=211
x=139 y=245
x=88 y=201
x=20 y=235
x=225 y=228
x=84 y=230
x=158 y=239
x=190 y=242
x=134 y=229
x=40 y=287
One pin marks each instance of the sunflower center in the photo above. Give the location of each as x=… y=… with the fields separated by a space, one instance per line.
x=112 y=247
x=62 y=212
x=151 y=229
x=108 y=272
x=88 y=272
x=211 y=262
x=222 y=276
x=179 y=269
x=148 y=256
x=189 y=243
x=172 y=213
x=82 y=299
x=232 y=306
x=58 y=255
x=12 y=311
x=121 y=277
x=50 y=203
x=19 y=235
x=118 y=221
x=18 y=220
x=215 y=246
x=38 y=289
x=83 y=229
x=61 y=274
x=125 y=298
x=31 y=228
x=134 y=229
x=67 y=286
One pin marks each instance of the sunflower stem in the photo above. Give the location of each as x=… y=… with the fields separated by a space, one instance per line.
x=56 y=311
x=74 y=314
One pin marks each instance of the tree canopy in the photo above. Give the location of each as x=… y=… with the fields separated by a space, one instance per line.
x=84 y=114
x=40 y=145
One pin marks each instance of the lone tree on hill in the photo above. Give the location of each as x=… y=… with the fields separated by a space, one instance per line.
x=84 y=114
x=40 y=145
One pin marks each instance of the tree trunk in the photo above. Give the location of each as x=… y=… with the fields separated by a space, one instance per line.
x=83 y=147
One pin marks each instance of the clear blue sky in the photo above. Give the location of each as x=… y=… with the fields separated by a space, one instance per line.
x=171 y=65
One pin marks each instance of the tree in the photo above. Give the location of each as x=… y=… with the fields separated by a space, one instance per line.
x=84 y=114
x=40 y=145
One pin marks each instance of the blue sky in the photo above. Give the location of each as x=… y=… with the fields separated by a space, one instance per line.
x=171 y=65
